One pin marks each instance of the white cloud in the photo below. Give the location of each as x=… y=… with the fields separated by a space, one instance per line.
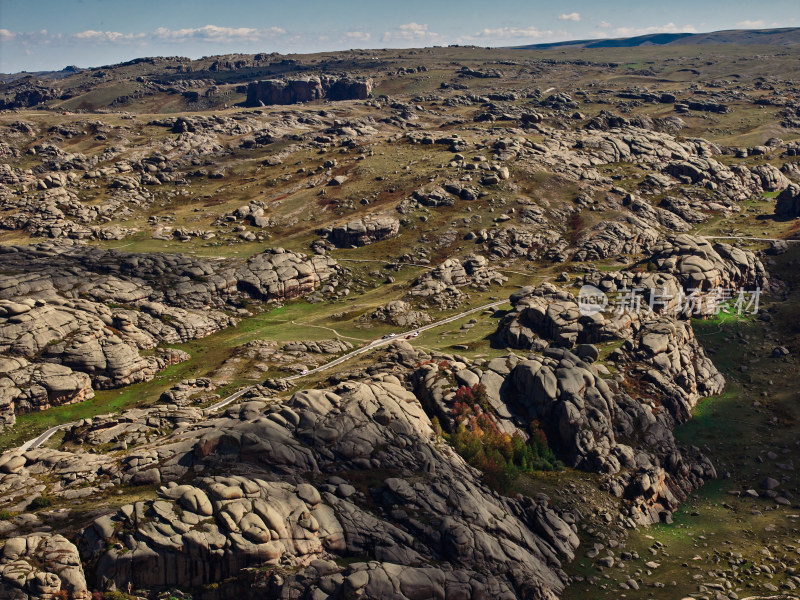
x=106 y=36
x=216 y=34
x=668 y=28
x=604 y=24
x=573 y=16
x=209 y=33
x=361 y=36
x=752 y=24
x=25 y=38
x=410 y=32
x=513 y=32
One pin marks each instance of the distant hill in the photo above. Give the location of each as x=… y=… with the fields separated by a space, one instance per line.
x=65 y=72
x=788 y=36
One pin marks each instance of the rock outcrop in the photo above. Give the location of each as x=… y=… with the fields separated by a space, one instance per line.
x=368 y=449
x=28 y=387
x=280 y=274
x=39 y=566
x=700 y=265
x=544 y=315
x=364 y=231
x=74 y=318
x=278 y=91
x=473 y=270
x=787 y=204
x=630 y=235
x=594 y=422
x=400 y=313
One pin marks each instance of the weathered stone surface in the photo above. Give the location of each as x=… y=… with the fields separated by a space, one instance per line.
x=60 y=337
x=276 y=91
x=364 y=231
x=444 y=280
x=211 y=528
x=400 y=313
x=38 y=566
x=788 y=202
x=27 y=387
x=277 y=273
x=700 y=265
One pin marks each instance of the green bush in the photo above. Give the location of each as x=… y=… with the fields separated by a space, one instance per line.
x=500 y=456
x=437 y=427
x=42 y=501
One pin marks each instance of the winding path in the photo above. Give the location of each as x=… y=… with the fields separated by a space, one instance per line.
x=386 y=262
x=336 y=333
x=43 y=437
x=430 y=268
x=38 y=441
x=371 y=346
x=742 y=237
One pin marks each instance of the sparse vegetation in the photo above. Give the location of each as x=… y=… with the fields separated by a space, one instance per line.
x=43 y=501
x=500 y=456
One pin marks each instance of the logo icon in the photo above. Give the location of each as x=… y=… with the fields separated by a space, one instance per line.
x=591 y=300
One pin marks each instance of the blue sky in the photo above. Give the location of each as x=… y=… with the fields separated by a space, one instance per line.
x=51 y=34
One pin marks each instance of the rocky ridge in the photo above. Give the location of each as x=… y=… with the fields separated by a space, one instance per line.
x=217 y=525
x=61 y=338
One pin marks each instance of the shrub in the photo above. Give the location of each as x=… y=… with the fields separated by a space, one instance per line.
x=499 y=456
x=481 y=396
x=437 y=427
x=42 y=501
x=470 y=396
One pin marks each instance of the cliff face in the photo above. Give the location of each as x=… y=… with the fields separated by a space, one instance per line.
x=279 y=91
x=349 y=89
x=375 y=463
x=74 y=319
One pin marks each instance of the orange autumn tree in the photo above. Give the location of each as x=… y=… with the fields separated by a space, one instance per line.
x=500 y=456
